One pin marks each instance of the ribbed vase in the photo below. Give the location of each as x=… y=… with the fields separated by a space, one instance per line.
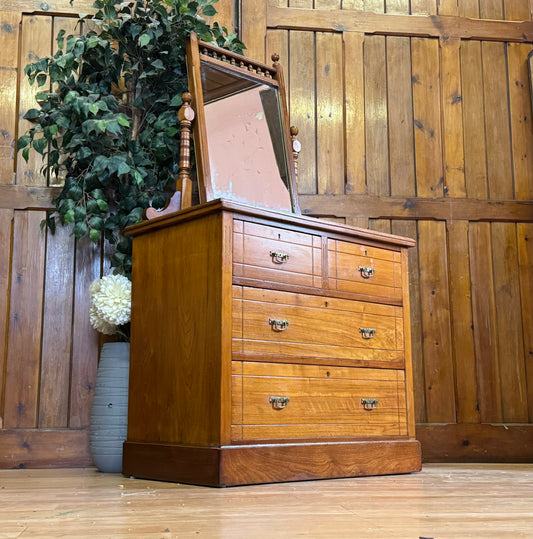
x=109 y=416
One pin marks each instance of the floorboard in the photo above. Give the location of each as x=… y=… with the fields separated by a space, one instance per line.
x=443 y=501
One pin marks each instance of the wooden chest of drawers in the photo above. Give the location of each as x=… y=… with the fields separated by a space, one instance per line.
x=267 y=347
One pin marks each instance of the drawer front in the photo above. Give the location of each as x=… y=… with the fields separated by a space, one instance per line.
x=287 y=324
x=364 y=270
x=274 y=401
x=274 y=254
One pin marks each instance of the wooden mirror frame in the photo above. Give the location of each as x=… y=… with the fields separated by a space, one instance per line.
x=199 y=52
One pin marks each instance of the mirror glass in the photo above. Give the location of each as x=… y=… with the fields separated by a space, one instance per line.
x=245 y=139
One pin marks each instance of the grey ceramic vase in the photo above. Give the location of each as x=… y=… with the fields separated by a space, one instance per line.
x=109 y=416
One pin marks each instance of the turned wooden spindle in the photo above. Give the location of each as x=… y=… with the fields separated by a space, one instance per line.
x=183 y=183
x=181 y=199
x=296 y=148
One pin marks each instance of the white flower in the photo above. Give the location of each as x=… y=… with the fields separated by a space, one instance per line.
x=110 y=302
x=100 y=325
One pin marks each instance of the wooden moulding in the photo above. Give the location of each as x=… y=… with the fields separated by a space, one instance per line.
x=334 y=20
x=245 y=465
x=468 y=442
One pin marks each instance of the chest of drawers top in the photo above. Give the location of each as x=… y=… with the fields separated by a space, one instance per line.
x=297 y=253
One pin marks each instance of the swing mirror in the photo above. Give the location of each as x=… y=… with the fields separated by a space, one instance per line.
x=241 y=134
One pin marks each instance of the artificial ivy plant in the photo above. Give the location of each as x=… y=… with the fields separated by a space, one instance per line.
x=107 y=118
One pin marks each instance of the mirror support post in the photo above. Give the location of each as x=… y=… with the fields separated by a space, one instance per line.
x=183 y=183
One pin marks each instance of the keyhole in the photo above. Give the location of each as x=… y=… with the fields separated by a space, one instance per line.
x=366 y=252
x=279 y=236
x=327 y=374
x=326 y=303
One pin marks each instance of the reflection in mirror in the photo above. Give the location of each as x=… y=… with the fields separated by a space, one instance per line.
x=247 y=154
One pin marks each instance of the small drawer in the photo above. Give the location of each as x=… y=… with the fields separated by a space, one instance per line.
x=274 y=401
x=277 y=255
x=271 y=322
x=364 y=270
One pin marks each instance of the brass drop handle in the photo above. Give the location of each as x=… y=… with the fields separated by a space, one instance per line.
x=367 y=333
x=369 y=404
x=278 y=403
x=366 y=273
x=279 y=258
x=278 y=325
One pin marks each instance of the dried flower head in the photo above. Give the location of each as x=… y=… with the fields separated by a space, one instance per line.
x=110 y=303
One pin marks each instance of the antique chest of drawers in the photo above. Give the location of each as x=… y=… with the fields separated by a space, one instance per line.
x=267 y=347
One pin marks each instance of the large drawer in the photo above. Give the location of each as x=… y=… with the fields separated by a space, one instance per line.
x=271 y=322
x=364 y=270
x=277 y=401
x=268 y=253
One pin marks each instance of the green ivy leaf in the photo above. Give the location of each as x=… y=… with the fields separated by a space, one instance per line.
x=40 y=145
x=80 y=229
x=23 y=141
x=209 y=11
x=144 y=40
x=32 y=114
x=94 y=235
x=123 y=168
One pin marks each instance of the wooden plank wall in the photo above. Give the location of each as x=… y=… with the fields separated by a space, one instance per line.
x=419 y=126
x=48 y=351
x=415 y=119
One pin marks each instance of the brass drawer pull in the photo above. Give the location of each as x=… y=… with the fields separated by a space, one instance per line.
x=366 y=273
x=278 y=325
x=278 y=403
x=279 y=258
x=367 y=333
x=369 y=404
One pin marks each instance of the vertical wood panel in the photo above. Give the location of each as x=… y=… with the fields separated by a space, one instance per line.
x=398 y=6
x=499 y=164
x=525 y=261
x=303 y=105
x=437 y=346
x=70 y=26
x=469 y=8
x=484 y=317
x=454 y=162
x=355 y=112
x=491 y=9
x=521 y=123
x=509 y=322
x=36 y=43
x=473 y=120
x=448 y=7
x=426 y=105
x=84 y=338
x=517 y=10
x=25 y=320
x=277 y=41
x=400 y=115
x=330 y=118
x=424 y=7
x=9 y=38
x=57 y=330
x=226 y=15
x=410 y=230
x=462 y=328
x=376 y=121
x=253 y=28
x=6 y=229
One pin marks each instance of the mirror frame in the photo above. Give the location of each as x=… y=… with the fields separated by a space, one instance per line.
x=242 y=67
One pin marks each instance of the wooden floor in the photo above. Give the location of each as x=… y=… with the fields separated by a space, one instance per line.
x=443 y=501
